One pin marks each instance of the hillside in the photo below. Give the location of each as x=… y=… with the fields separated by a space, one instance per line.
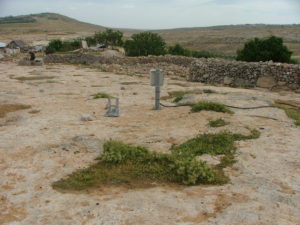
x=225 y=40
x=44 y=22
x=221 y=40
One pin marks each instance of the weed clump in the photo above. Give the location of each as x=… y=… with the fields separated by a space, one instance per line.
x=209 y=91
x=291 y=113
x=101 y=95
x=210 y=106
x=178 y=95
x=218 y=123
x=135 y=165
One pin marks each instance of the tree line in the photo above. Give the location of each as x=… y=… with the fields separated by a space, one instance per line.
x=148 y=43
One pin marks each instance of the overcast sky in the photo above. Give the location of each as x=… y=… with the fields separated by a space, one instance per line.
x=159 y=14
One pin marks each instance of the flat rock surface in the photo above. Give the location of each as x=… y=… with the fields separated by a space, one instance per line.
x=45 y=143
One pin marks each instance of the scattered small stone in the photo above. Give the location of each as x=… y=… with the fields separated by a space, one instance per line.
x=86 y=117
x=123 y=88
x=41 y=90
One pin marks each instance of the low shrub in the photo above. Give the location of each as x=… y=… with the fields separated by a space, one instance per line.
x=218 y=123
x=210 y=106
x=133 y=165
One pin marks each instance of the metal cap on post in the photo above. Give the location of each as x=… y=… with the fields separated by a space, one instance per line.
x=156 y=80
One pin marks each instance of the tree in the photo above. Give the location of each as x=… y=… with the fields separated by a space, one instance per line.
x=179 y=50
x=145 y=43
x=90 y=40
x=63 y=46
x=264 y=50
x=109 y=37
x=54 y=46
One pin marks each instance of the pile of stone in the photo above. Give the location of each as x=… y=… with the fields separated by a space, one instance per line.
x=244 y=74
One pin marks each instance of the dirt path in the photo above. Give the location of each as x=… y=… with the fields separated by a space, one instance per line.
x=265 y=182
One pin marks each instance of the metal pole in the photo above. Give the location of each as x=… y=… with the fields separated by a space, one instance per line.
x=157 y=98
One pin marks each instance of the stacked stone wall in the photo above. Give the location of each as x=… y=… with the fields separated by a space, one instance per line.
x=245 y=74
x=211 y=71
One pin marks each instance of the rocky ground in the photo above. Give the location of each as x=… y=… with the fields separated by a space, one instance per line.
x=44 y=143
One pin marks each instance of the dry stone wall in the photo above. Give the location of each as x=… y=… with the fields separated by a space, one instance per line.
x=212 y=71
x=244 y=74
x=98 y=59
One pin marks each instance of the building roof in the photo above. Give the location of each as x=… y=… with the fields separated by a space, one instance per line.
x=2 y=45
x=19 y=43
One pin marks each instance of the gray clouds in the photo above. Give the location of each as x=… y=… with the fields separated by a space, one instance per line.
x=155 y=14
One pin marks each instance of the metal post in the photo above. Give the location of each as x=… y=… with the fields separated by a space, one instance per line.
x=157 y=98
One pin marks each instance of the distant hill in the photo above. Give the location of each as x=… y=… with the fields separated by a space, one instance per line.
x=44 y=22
x=221 y=40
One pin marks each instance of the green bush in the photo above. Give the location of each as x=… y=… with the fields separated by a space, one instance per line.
x=63 y=46
x=144 y=44
x=265 y=50
x=109 y=37
x=54 y=46
x=178 y=50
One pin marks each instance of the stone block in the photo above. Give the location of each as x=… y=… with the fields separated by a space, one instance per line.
x=266 y=82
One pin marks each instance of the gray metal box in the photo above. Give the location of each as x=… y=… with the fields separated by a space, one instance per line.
x=156 y=77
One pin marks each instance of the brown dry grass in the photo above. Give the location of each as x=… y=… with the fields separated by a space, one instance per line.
x=33 y=78
x=7 y=108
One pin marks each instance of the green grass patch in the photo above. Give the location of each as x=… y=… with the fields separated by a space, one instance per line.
x=218 y=123
x=101 y=95
x=210 y=106
x=178 y=95
x=123 y=164
x=209 y=91
x=291 y=113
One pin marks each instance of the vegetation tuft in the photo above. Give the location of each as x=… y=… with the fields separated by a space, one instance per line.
x=178 y=95
x=134 y=165
x=291 y=113
x=209 y=91
x=218 y=123
x=101 y=95
x=210 y=106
